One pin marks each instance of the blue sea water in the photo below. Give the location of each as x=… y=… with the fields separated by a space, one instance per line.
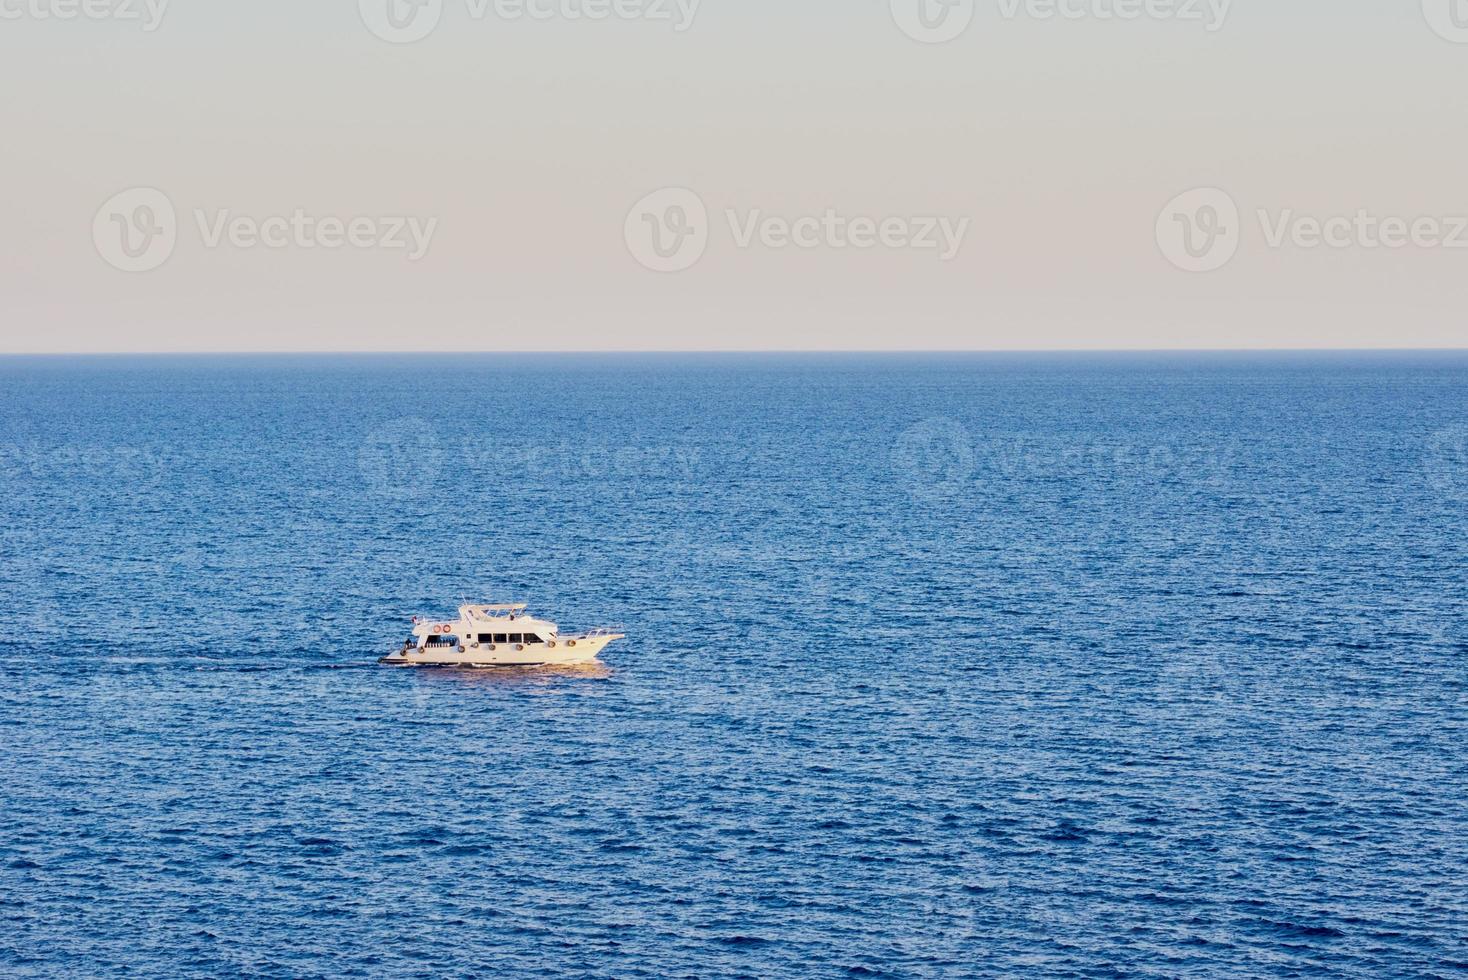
x=1063 y=666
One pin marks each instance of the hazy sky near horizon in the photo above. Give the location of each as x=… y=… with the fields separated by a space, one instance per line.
x=1039 y=156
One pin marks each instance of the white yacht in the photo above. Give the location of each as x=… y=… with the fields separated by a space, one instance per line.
x=497 y=636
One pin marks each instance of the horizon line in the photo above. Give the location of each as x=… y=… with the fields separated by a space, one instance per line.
x=439 y=352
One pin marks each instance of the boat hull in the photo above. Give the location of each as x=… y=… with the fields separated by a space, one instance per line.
x=563 y=653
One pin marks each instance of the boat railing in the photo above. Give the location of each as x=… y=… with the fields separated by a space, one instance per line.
x=601 y=631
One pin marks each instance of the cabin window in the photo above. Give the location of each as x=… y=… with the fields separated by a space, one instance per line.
x=532 y=638
x=515 y=638
x=486 y=638
x=440 y=640
x=501 y=638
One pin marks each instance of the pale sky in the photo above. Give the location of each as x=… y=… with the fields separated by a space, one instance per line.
x=519 y=150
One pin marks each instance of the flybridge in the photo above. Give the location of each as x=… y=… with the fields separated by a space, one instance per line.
x=467 y=613
x=491 y=612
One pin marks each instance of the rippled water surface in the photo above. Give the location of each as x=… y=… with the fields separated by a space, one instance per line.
x=1052 y=666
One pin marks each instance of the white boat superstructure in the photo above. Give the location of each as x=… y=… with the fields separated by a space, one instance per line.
x=497 y=636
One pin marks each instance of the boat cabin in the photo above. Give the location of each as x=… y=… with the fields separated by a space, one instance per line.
x=486 y=626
